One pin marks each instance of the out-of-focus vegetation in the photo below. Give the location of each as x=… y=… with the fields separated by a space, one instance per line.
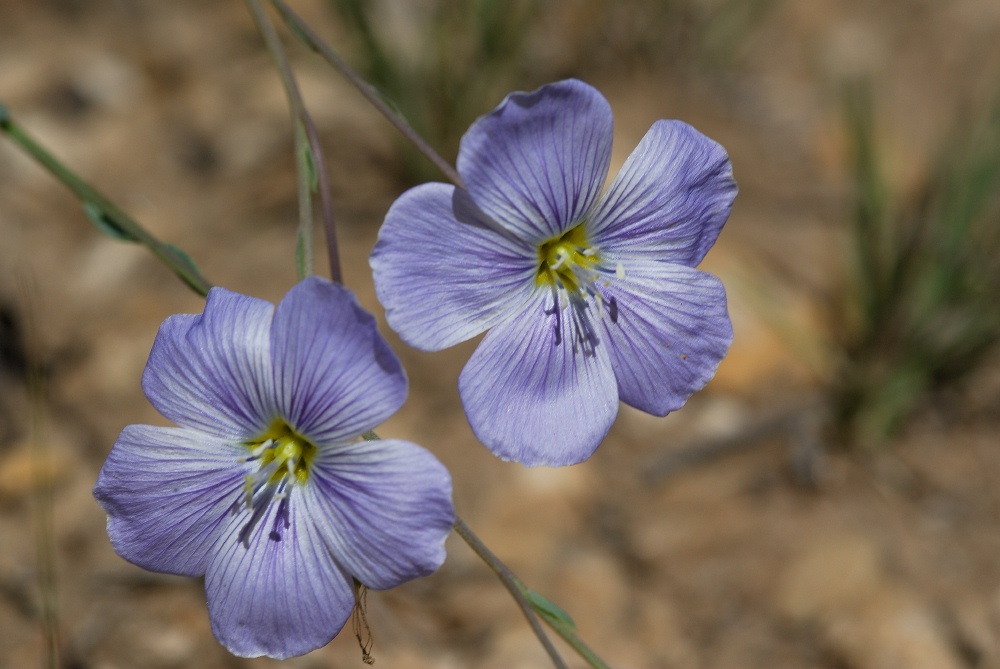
x=923 y=306
x=442 y=63
x=454 y=60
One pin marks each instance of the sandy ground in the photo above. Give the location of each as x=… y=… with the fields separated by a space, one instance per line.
x=890 y=562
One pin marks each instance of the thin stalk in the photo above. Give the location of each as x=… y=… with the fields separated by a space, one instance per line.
x=569 y=636
x=304 y=233
x=123 y=226
x=309 y=37
x=520 y=592
x=45 y=549
x=301 y=118
x=513 y=584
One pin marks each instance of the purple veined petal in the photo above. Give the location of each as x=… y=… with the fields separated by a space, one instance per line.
x=278 y=598
x=168 y=493
x=383 y=508
x=670 y=200
x=670 y=332
x=536 y=164
x=535 y=401
x=211 y=371
x=334 y=375
x=446 y=273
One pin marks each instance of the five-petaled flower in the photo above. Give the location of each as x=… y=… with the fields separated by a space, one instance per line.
x=588 y=299
x=265 y=487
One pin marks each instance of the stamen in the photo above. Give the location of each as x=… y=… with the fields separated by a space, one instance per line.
x=562 y=257
x=257 y=451
x=284 y=458
x=572 y=267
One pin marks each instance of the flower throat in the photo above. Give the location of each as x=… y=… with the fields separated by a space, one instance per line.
x=572 y=267
x=283 y=457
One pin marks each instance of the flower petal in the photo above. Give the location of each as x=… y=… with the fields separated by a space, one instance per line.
x=383 y=508
x=276 y=597
x=444 y=272
x=670 y=332
x=536 y=401
x=334 y=375
x=168 y=493
x=211 y=371
x=670 y=199
x=537 y=163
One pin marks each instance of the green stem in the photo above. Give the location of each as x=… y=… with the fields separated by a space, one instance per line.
x=307 y=145
x=569 y=636
x=309 y=37
x=513 y=584
x=114 y=221
x=529 y=602
x=522 y=595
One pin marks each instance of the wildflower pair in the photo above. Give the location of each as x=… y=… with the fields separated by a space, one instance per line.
x=265 y=486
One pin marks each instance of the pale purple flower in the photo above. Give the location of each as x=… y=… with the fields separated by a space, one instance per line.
x=265 y=487
x=589 y=299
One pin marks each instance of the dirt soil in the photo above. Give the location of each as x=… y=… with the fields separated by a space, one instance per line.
x=765 y=554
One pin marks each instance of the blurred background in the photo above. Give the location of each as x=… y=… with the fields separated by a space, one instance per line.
x=830 y=501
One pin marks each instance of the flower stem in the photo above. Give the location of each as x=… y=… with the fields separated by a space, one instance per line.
x=309 y=37
x=513 y=584
x=308 y=153
x=103 y=212
x=531 y=603
x=569 y=635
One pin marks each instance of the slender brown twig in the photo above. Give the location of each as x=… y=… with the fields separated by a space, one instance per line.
x=301 y=117
x=309 y=37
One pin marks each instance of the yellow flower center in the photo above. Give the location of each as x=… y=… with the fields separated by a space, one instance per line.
x=282 y=445
x=573 y=269
x=568 y=261
x=283 y=457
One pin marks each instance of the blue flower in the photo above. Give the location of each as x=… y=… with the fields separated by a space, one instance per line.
x=265 y=487
x=588 y=299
